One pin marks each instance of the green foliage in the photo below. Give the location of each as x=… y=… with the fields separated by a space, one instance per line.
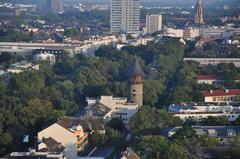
x=157 y=147
x=216 y=121
x=150 y=120
x=153 y=89
x=13 y=36
x=116 y=124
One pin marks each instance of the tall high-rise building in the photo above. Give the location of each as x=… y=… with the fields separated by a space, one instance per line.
x=125 y=16
x=153 y=23
x=136 y=77
x=199 y=13
x=55 y=6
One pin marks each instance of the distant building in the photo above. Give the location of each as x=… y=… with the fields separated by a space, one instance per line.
x=22 y=66
x=226 y=135
x=218 y=96
x=58 y=53
x=136 y=77
x=45 y=57
x=215 y=61
x=6 y=11
x=213 y=79
x=199 y=13
x=153 y=23
x=125 y=16
x=176 y=33
x=190 y=33
x=199 y=111
x=113 y=108
x=33 y=154
x=55 y=6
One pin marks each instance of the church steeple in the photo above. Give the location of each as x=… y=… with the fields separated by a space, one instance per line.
x=199 y=13
x=135 y=80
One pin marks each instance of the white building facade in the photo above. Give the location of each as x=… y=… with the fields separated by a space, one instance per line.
x=198 y=112
x=153 y=23
x=125 y=16
x=119 y=108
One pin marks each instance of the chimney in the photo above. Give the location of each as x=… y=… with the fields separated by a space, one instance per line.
x=211 y=91
x=226 y=91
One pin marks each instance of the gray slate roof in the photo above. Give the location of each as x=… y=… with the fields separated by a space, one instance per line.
x=135 y=69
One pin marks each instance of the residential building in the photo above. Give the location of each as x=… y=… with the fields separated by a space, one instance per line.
x=55 y=6
x=112 y=108
x=58 y=53
x=135 y=80
x=199 y=13
x=69 y=133
x=226 y=135
x=218 y=96
x=176 y=33
x=213 y=79
x=45 y=57
x=22 y=66
x=125 y=16
x=190 y=33
x=215 y=61
x=153 y=23
x=33 y=154
x=198 y=111
x=7 y=11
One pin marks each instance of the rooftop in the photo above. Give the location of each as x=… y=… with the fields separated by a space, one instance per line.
x=52 y=145
x=88 y=124
x=227 y=92
x=135 y=69
x=212 y=77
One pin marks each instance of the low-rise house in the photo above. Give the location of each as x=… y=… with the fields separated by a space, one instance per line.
x=33 y=154
x=190 y=33
x=115 y=107
x=222 y=96
x=225 y=134
x=198 y=111
x=22 y=66
x=68 y=133
x=215 y=61
x=58 y=53
x=45 y=57
x=213 y=79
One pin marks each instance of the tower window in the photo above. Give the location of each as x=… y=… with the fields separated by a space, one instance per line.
x=134 y=90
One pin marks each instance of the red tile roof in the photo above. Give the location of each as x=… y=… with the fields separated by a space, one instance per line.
x=221 y=92
x=210 y=77
x=214 y=77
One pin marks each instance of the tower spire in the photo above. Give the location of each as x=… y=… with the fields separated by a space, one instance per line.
x=199 y=13
x=136 y=77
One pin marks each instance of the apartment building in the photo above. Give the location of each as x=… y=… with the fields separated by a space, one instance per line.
x=115 y=108
x=221 y=96
x=198 y=111
x=215 y=61
x=125 y=16
x=153 y=23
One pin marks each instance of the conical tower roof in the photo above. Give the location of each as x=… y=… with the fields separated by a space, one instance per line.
x=135 y=69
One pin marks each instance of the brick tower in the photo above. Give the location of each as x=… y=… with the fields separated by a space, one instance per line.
x=135 y=81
